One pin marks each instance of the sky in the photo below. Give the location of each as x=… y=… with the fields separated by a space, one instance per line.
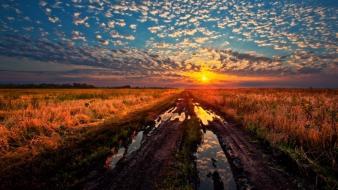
x=186 y=43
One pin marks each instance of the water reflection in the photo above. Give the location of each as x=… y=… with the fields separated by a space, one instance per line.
x=118 y=153
x=134 y=142
x=112 y=160
x=171 y=115
x=213 y=168
x=205 y=115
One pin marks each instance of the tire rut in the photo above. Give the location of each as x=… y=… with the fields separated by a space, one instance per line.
x=144 y=169
x=251 y=160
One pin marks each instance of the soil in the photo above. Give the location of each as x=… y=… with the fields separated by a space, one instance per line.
x=252 y=167
x=145 y=168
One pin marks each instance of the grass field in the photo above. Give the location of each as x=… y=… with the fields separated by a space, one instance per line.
x=303 y=123
x=32 y=120
x=41 y=129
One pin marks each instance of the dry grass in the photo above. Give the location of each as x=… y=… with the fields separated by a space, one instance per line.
x=304 y=121
x=38 y=119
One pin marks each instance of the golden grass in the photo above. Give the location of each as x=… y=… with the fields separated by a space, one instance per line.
x=38 y=119
x=302 y=120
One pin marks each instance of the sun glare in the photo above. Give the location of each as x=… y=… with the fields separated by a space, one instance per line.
x=204 y=78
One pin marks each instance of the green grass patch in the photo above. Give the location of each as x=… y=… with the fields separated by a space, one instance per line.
x=184 y=176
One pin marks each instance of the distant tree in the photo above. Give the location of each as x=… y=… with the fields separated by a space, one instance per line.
x=47 y=85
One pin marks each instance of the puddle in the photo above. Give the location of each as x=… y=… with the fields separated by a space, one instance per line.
x=112 y=160
x=213 y=168
x=122 y=151
x=206 y=115
x=170 y=115
x=135 y=141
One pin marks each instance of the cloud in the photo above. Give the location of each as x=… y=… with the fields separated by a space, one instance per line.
x=155 y=29
x=133 y=26
x=264 y=37
x=76 y=35
x=129 y=60
x=80 y=21
x=53 y=19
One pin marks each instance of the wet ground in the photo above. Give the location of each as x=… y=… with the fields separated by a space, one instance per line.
x=214 y=171
x=224 y=158
x=143 y=167
x=124 y=150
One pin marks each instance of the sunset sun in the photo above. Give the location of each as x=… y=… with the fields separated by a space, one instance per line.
x=204 y=78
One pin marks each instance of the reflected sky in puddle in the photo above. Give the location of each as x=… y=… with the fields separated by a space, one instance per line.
x=213 y=168
x=171 y=115
x=118 y=154
x=205 y=115
x=136 y=142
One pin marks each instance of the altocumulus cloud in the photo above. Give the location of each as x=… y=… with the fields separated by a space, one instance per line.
x=115 y=42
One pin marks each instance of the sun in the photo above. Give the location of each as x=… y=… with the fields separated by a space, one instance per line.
x=204 y=77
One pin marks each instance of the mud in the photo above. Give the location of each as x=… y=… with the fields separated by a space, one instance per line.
x=226 y=159
x=144 y=168
x=253 y=167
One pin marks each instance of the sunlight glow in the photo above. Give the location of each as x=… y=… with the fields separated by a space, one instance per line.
x=205 y=77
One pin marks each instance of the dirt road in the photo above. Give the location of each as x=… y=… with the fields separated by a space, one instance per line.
x=143 y=169
x=249 y=161
x=146 y=167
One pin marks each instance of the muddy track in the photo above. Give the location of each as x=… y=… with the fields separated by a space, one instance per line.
x=254 y=165
x=151 y=160
x=145 y=168
x=251 y=166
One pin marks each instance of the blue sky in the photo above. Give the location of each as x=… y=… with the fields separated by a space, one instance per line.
x=129 y=42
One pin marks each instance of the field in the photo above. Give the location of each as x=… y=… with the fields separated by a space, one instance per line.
x=32 y=120
x=168 y=138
